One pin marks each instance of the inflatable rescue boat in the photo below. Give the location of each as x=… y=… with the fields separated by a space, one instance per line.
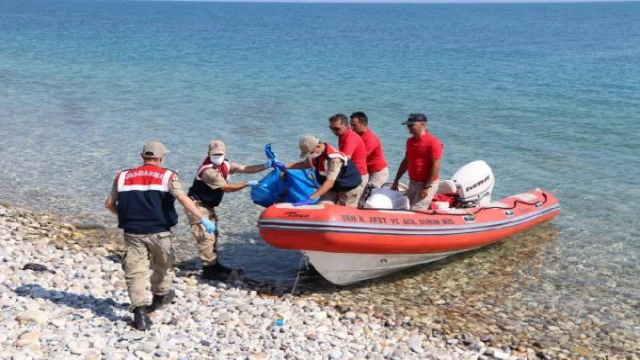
x=347 y=245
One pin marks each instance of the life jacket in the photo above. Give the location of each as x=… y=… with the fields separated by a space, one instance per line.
x=200 y=191
x=145 y=205
x=349 y=178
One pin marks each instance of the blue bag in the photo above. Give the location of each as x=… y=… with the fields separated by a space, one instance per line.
x=270 y=189
x=283 y=186
x=299 y=184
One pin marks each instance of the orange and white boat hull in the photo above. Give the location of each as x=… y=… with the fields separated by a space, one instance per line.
x=348 y=245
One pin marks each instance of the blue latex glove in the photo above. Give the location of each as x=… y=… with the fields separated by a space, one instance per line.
x=208 y=224
x=269 y=152
x=304 y=202
x=279 y=165
x=268 y=163
x=252 y=183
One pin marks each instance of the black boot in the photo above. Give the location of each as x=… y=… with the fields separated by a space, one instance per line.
x=215 y=272
x=161 y=300
x=141 y=320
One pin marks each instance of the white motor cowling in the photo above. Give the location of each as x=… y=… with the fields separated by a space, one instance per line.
x=474 y=184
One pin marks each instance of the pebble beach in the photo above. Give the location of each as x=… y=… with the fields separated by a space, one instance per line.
x=78 y=309
x=546 y=94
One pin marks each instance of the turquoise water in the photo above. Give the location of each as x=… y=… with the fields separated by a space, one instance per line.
x=547 y=94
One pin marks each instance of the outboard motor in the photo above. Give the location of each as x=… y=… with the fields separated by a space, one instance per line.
x=474 y=184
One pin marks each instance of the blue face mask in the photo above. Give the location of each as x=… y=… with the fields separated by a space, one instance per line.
x=216 y=159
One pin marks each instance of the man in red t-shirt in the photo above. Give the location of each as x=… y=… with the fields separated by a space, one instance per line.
x=422 y=159
x=376 y=163
x=352 y=145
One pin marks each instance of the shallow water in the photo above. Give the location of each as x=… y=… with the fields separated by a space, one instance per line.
x=547 y=94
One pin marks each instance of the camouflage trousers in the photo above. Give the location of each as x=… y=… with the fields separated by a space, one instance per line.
x=206 y=242
x=348 y=198
x=144 y=252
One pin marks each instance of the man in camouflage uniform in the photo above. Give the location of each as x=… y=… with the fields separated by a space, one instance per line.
x=143 y=198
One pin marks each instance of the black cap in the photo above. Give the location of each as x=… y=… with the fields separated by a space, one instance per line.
x=415 y=118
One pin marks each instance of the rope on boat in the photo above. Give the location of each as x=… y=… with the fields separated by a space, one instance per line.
x=306 y=265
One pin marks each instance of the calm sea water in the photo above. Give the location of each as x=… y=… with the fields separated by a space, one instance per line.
x=547 y=94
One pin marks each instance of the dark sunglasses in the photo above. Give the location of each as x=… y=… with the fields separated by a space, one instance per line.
x=334 y=128
x=411 y=125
